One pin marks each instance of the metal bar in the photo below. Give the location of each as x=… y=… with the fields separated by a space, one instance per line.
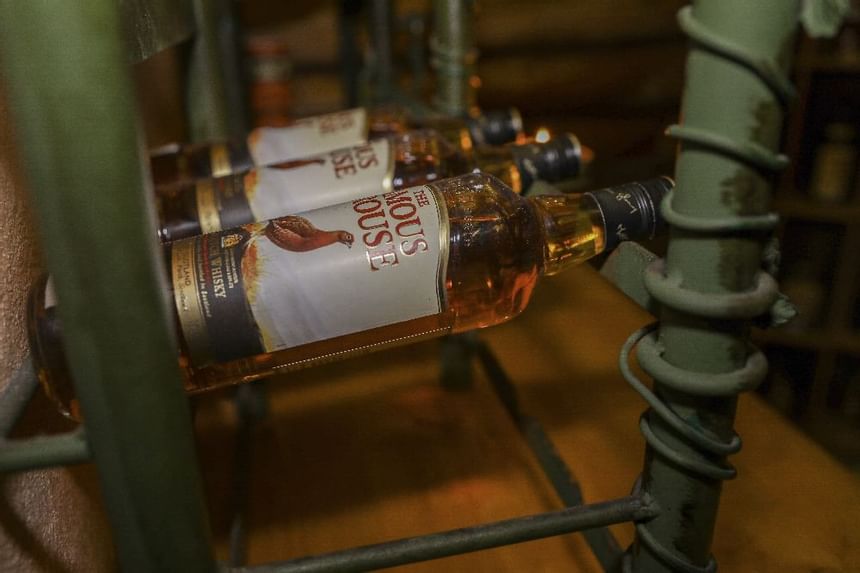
x=453 y=55
x=231 y=51
x=416 y=25
x=701 y=359
x=601 y=541
x=350 y=57
x=211 y=114
x=16 y=395
x=453 y=58
x=252 y=405
x=67 y=77
x=44 y=452
x=154 y=25
x=381 y=32
x=457 y=541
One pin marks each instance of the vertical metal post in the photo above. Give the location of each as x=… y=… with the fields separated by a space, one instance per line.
x=452 y=46
x=215 y=100
x=66 y=71
x=382 y=79
x=350 y=58
x=453 y=55
x=416 y=25
x=711 y=283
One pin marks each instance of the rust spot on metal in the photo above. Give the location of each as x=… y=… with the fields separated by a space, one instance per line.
x=745 y=192
x=767 y=119
x=734 y=271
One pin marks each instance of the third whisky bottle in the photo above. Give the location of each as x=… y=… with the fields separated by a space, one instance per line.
x=177 y=164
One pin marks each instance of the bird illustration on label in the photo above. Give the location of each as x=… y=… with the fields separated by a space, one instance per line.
x=290 y=233
x=294 y=233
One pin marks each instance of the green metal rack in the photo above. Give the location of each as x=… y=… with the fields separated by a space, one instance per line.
x=67 y=68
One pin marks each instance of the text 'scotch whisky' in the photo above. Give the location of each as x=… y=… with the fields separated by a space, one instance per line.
x=177 y=164
x=375 y=272
x=378 y=166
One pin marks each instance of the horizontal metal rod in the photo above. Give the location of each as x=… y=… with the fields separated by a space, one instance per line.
x=457 y=541
x=44 y=451
x=16 y=395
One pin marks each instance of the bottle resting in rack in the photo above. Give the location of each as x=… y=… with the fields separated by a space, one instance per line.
x=375 y=272
x=392 y=163
x=176 y=164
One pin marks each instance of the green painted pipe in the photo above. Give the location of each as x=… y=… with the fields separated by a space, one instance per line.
x=155 y=25
x=65 y=67
x=452 y=46
x=732 y=116
x=211 y=113
x=453 y=55
x=44 y=452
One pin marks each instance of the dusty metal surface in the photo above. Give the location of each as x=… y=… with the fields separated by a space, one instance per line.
x=154 y=25
x=453 y=55
x=711 y=285
x=447 y=543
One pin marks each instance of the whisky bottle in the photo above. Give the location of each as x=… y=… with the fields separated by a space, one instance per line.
x=180 y=163
x=176 y=164
x=375 y=272
x=381 y=165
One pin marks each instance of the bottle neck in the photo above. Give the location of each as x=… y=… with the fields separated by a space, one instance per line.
x=521 y=165
x=578 y=227
x=573 y=230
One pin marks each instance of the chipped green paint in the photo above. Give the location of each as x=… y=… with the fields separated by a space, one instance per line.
x=735 y=90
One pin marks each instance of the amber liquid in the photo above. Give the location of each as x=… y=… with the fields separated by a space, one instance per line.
x=498 y=245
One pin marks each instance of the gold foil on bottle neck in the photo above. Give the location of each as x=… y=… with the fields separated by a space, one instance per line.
x=219 y=159
x=207 y=207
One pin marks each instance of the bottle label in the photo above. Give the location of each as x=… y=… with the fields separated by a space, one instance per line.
x=310 y=136
x=297 y=186
x=298 y=279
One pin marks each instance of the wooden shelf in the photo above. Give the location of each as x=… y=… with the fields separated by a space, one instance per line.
x=838 y=434
x=843 y=62
x=845 y=341
x=811 y=210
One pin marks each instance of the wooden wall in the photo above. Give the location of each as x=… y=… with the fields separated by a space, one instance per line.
x=610 y=71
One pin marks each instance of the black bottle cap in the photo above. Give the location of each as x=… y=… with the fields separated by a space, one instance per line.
x=632 y=211
x=496 y=127
x=557 y=159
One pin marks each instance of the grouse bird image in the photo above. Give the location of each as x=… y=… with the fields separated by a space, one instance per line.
x=294 y=233
x=290 y=233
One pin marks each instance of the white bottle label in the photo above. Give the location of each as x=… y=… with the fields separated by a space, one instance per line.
x=310 y=136
x=269 y=192
x=298 y=279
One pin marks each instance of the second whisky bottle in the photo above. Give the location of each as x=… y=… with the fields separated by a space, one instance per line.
x=381 y=165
